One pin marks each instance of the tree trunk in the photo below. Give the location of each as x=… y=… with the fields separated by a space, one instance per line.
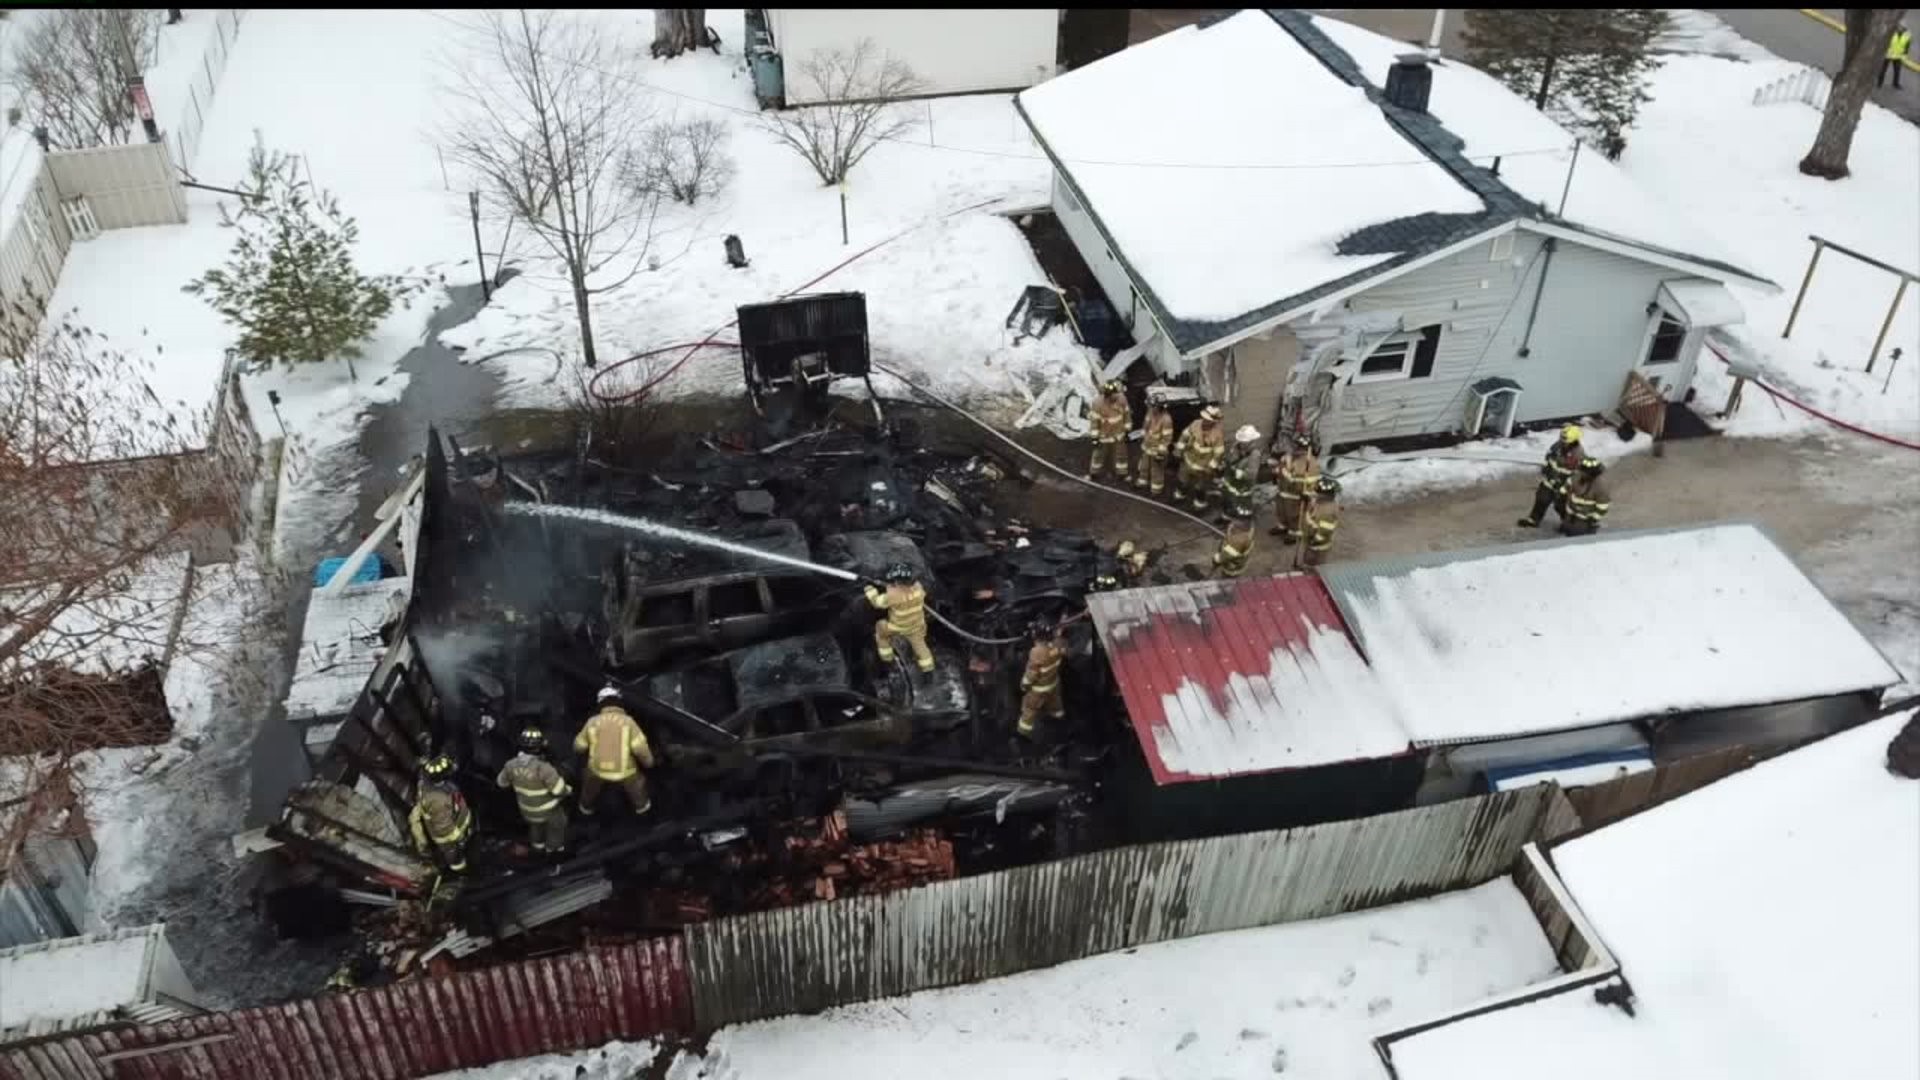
x=1546 y=84
x=582 y=309
x=678 y=30
x=1828 y=158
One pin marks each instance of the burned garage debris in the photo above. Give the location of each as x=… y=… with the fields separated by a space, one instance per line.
x=723 y=593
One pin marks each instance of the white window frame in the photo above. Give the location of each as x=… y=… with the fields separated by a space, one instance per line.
x=1406 y=343
x=1662 y=315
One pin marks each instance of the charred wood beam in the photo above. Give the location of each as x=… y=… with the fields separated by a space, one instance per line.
x=732 y=814
x=955 y=764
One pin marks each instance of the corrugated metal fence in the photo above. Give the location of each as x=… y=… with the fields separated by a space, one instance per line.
x=1608 y=802
x=820 y=955
x=125 y=186
x=409 y=1029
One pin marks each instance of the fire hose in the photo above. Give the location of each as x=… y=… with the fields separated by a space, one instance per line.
x=1816 y=413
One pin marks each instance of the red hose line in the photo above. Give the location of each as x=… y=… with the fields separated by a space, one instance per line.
x=711 y=340
x=1811 y=411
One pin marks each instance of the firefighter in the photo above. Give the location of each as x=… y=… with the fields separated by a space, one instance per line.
x=1156 y=444
x=905 y=602
x=1295 y=473
x=1199 y=449
x=1242 y=469
x=440 y=821
x=1112 y=419
x=1588 y=500
x=1236 y=546
x=1133 y=562
x=1040 y=683
x=538 y=788
x=1563 y=457
x=1322 y=519
x=616 y=751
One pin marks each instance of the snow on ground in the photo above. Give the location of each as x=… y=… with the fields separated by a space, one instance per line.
x=1705 y=619
x=1217 y=242
x=180 y=67
x=950 y=268
x=1368 y=475
x=1730 y=166
x=614 y=1061
x=1303 y=999
x=1765 y=923
x=1690 y=30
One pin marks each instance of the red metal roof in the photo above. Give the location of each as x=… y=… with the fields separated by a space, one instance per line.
x=1226 y=678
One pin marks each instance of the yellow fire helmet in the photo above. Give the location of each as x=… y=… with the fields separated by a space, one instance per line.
x=1125 y=550
x=1570 y=433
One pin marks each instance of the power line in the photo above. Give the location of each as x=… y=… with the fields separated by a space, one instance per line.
x=642 y=84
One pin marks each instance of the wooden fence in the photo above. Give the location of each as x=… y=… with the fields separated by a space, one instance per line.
x=1608 y=802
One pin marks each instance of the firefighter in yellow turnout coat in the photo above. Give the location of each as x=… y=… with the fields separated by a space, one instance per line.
x=1040 y=683
x=905 y=602
x=538 y=788
x=1112 y=419
x=441 y=821
x=1156 y=445
x=1200 y=448
x=616 y=751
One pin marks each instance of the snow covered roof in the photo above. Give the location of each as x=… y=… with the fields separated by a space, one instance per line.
x=76 y=982
x=1765 y=924
x=1244 y=169
x=1492 y=643
x=1225 y=678
x=340 y=646
x=116 y=632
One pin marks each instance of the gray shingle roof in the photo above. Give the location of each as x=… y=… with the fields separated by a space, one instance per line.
x=1405 y=238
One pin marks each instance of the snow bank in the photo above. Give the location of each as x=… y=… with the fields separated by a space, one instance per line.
x=1703 y=619
x=614 y=1061
x=1227 y=162
x=1368 y=475
x=1731 y=166
x=1765 y=922
x=1301 y=999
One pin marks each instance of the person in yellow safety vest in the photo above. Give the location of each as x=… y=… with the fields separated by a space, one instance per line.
x=616 y=751
x=1295 y=472
x=1588 y=500
x=1563 y=458
x=1236 y=546
x=1156 y=445
x=1040 y=683
x=1323 y=518
x=1241 y=472
x=1112 y=419
x=1200 y=448
x=905 y=602
x=440 y=821
x=1897 y=48
x=538 y=787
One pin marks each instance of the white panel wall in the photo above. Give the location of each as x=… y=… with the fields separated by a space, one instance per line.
x=954 y=51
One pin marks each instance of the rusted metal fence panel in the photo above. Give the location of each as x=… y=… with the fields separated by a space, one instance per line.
x=411 y=1029
x=1608 y=802
x=813 y=957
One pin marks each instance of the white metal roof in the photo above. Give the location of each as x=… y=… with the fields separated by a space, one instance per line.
x=75 y=982
x=1702 y=303
x=1767 y=923
x=1574 y=633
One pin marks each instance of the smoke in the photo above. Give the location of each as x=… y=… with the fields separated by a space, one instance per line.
x=459 y=657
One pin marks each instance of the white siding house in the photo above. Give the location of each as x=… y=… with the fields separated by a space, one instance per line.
x=1318 y=231
x=952 y=50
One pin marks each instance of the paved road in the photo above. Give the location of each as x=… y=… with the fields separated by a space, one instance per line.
x=1794 y=36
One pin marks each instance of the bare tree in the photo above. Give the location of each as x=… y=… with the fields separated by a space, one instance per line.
x=1868 y=31
x=684 y=161
x=103 y=491
x=71 y=68
x=551 y=123
x=859 y=87
x=679 y=30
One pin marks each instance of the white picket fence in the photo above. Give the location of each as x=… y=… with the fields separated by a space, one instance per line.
x=1807 y=86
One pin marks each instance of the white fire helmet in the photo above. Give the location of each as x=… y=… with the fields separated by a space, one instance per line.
x=1247 y=434
x=606 y=694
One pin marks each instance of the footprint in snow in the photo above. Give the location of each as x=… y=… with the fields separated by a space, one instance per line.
x=1187 y=1040
x=1379 y=1005
x=1347 y=975
x=1280 y=1060
x=1421 y=964
x=1250 y=1034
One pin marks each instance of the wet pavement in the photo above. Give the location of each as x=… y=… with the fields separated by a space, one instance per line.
x=1792 y=34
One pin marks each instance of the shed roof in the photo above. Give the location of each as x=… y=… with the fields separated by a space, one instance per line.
x=1224 y=678
x=1765 y=923
x=1198 y=191
x=77 y=982
x=1549 y=636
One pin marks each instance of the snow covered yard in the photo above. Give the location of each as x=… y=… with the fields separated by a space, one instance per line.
x=1303 y=999
x=947 y=269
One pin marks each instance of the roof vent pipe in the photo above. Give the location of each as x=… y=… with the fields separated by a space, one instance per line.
x=1409 y=82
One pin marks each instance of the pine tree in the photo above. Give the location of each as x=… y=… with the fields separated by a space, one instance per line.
x=289 y=284
x=1586 y=69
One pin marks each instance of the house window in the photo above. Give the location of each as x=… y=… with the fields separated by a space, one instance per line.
x=1667 y=339
x=1403 y=356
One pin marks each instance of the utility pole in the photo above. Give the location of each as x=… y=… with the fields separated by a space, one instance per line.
x=136 y=85
x=1433 y=38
